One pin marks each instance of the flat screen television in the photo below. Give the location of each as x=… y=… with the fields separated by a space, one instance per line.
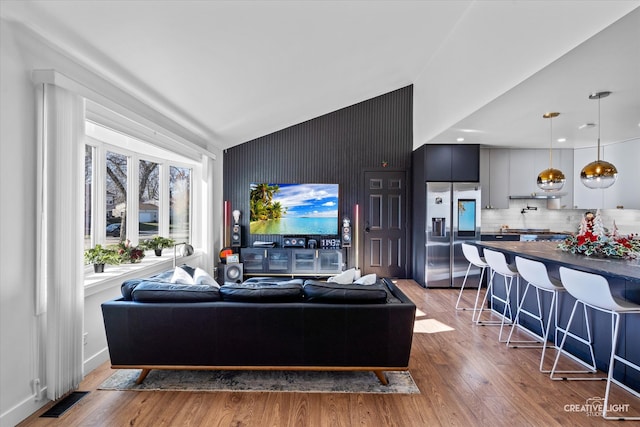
x=294 y=209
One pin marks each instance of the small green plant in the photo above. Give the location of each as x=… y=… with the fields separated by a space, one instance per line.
x=101 y=255
x=158 y=242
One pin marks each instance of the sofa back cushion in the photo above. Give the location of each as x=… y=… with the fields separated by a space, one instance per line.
x=150 y=291
x=263 y=291
x=329 y=292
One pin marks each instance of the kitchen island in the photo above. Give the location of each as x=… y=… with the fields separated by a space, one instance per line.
x=624 y=279
x=548 y=252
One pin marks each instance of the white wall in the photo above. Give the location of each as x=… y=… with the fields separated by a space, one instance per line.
x=20 y=344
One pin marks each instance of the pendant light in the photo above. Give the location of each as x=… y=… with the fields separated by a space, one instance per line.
x=599 y=174
x=551 y=179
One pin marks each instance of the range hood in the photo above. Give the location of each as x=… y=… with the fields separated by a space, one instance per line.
x=545 y=196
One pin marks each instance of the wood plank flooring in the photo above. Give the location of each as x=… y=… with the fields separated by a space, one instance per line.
x=465 y=376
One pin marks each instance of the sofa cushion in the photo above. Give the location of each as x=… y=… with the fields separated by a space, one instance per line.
x=128 y=286
x=316 y=291
x=263 y=291
x=150 y=291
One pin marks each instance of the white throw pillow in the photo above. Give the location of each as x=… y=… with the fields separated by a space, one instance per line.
x=201 y=277
x=369 y=279
x=344 y=278
x=181 y=276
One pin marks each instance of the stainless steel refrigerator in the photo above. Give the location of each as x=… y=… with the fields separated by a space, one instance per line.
x=453 y=217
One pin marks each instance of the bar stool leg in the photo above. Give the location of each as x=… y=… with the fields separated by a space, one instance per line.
x=464 y=282
x=553 y=313
x=588 y=341
x=516 y=321
x=506 y=302
x=610 y=379
x=475 y=305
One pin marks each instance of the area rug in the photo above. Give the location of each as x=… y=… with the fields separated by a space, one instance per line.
x=400 y=382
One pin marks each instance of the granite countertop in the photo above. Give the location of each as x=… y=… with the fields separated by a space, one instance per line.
x=548 y=251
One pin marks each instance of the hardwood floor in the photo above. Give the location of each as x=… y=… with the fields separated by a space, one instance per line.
x=465 y=377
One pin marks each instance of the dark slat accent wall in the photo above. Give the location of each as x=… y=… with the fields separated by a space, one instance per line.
x=334 y=148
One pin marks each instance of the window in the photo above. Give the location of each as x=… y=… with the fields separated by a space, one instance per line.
x=148 y=198
x=88 y=188
x=134 y=190
x=179 y=191
x=116 y=197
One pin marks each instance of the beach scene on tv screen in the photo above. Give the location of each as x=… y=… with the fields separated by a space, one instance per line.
x=294 y=209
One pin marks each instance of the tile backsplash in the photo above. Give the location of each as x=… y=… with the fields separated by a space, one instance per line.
x=627 y=220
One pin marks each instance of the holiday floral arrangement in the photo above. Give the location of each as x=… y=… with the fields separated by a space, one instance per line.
x=130 y=253
x=594 y=240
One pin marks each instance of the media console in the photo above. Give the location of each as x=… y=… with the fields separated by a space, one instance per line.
x=291 y=261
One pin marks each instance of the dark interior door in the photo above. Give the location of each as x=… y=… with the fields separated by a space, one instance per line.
x=385 y=231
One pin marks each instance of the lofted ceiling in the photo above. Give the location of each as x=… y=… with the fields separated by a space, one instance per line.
x=232 y=71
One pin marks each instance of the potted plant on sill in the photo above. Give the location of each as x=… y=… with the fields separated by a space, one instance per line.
x=129 y=252
x=158 y=243
x=99 y=256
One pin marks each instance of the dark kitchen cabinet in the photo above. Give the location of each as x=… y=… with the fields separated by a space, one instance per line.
x=451 y=162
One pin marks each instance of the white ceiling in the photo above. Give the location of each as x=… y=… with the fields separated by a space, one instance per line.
x=232 y=71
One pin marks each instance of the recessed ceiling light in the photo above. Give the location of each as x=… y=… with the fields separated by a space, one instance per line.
x=460 y=139
x=562 y=139
x=587 y=126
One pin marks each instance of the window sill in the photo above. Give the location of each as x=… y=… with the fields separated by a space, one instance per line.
x=114 y=275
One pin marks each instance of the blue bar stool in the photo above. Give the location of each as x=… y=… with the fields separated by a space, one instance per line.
x=593 y=290
x=472 y=255
x=498 y=264
x=536 y=275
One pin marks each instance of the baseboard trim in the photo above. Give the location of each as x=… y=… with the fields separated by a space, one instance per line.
x=21 y=411
x=95 y=361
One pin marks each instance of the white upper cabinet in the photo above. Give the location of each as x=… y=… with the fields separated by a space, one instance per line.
x=513 y=172
x=625 y=192
x=526 y=164
x=524 y=167
x=494 y=178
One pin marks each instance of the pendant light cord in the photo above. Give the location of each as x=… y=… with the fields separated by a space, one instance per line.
x=550 y=142
x=599 y=127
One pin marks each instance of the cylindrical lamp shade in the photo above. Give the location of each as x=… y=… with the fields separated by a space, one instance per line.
x=551 y=179
x=599 y=174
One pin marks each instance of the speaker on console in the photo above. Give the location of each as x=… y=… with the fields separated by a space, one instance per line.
x=294 y=242
x=236 y=235
x=345 y=233
x=229 y=273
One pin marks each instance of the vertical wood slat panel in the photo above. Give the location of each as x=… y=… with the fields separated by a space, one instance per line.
x=334 y=148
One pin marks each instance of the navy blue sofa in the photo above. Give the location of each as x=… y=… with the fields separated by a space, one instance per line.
x=260 y=324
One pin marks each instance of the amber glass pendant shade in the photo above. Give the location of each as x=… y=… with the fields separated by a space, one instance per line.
x=599 y=174
x=551 y=179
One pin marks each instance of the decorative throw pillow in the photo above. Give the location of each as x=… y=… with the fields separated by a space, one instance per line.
x=369 y=279
x=201 y=277
x=344 y=278
x=181 y=276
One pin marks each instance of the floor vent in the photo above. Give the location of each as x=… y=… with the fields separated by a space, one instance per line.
x=64 y=405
